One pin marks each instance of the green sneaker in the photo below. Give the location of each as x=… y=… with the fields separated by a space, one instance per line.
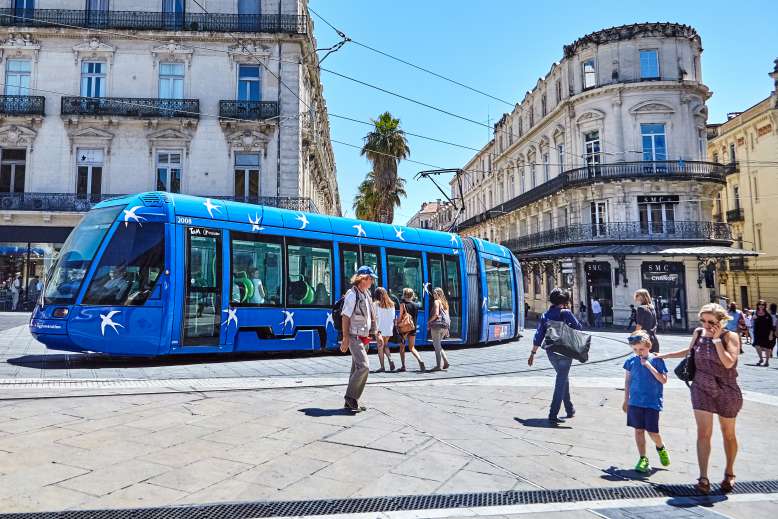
x=664 y=456
x=642 y=465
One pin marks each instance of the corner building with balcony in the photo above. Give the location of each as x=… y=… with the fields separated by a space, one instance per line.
x=748 y=142
x=108 y=97
x=598 y=181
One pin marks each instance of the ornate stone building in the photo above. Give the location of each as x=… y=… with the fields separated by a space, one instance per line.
x=103 y=98
x=748 y=141
x=598 y=180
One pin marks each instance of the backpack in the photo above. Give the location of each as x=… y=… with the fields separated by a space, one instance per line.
x=405 y=324
x=337 y=315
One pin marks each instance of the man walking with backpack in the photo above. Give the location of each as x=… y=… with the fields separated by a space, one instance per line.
x=358 y=322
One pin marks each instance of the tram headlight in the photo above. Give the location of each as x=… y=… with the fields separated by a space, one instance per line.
x=60 y=312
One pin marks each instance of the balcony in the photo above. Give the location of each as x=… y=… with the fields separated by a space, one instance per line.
x=154 y=21
x=248 y=110
x=587 y=175
x=736 y=215
x=131 y=107
x=733 y=167
x=54 y=202
x=22 y=105
x=623 y=232
x=70 y=202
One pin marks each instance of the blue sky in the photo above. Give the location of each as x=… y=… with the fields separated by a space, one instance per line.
x=502 y=47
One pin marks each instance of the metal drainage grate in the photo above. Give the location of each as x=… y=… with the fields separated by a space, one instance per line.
x=393 y=504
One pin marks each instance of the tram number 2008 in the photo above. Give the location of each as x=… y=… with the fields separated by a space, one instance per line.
x=184 y=220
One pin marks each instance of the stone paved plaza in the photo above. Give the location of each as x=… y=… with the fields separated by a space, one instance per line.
x=92 y=433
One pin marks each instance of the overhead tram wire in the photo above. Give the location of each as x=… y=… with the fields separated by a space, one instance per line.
x=270 y=58
x=211 y=49
x=437 y=109
x=157 y=40
x=408 y=63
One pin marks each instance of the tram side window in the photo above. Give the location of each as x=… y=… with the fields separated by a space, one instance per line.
x=256 y=270
x=309 y=274
x=499 y=286
x=129 y=267
x=404 y=272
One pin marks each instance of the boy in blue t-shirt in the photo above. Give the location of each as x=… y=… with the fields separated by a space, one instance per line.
x=643 y=388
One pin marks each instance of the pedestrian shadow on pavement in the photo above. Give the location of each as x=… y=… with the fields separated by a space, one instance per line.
x=618 y=474
x=541 y=423
x=693 y=501
x=317 y=412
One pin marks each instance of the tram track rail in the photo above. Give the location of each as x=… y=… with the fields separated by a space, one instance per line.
x=329 y=384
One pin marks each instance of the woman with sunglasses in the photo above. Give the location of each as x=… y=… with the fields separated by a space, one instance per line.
x=762 y=324
x=715 y=389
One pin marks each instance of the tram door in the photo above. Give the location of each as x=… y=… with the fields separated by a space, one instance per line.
x=203 y=287
x=444 y=273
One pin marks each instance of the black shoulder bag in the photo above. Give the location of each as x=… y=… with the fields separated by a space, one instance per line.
x=685 y=369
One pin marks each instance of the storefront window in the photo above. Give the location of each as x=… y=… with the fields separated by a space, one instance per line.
x=666 y=282
x=65 y=280
x=23 y=267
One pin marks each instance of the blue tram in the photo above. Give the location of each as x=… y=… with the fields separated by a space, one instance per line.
x=160 y=274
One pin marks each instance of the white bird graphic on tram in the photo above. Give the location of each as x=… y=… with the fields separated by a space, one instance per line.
x=107 y=320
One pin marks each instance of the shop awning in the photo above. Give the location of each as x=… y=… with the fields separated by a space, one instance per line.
x=707 y=251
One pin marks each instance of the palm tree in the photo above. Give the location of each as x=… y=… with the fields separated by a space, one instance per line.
x=366 y=200
x=369 y=204
x=385 y=146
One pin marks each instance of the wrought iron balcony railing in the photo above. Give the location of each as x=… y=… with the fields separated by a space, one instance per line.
x=131 y=107
x=736 y=215
x=733 y=167
x=621 y=232
x=22 y=105
x=70 y=202
x=154 y=21
x=55 y=202
x=251 y=110
x=648 y=170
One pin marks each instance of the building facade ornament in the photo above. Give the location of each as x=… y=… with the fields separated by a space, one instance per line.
x=172 y=52
x=248 y=53
x=248 y=140
x=17 y=136
x=178 y=138
x=20 y=46
x=90 y=137
x=93 y=50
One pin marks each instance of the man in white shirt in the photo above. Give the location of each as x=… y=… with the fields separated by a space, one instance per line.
x=596 y=308
x=358 y=323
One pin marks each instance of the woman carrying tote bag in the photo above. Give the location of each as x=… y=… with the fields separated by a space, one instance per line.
x=558 y=311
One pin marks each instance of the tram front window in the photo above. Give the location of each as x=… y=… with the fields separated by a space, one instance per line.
x=129 y=267
x=76 y=256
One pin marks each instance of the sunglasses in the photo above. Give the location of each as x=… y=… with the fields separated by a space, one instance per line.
x=634 y=339
x=705 y=321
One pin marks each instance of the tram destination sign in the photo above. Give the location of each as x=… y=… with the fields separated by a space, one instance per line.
x=205 y=232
